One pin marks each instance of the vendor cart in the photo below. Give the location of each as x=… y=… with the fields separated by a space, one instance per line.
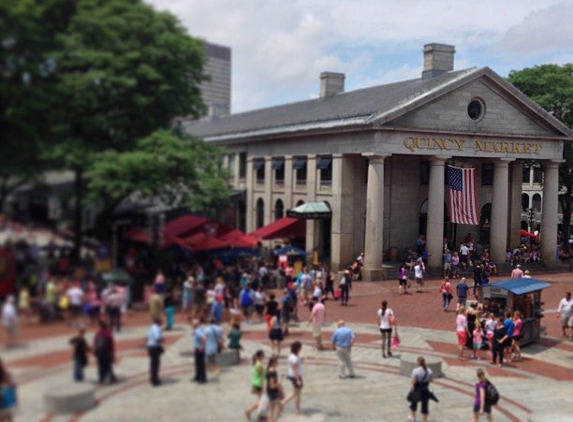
x=516 y=294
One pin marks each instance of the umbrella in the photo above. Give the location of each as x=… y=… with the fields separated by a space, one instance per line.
x=204 y=242
x=290 y=250
x=238 y=239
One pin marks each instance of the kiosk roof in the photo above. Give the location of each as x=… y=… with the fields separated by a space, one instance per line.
x=520 y=286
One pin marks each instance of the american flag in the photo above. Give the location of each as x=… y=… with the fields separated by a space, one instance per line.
x=463 y=198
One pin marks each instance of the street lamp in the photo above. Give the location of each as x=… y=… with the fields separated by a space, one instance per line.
x=530 y=218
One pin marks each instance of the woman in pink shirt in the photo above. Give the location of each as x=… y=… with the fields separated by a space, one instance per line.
x=518 y=324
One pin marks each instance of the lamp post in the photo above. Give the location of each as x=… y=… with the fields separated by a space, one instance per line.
x=530 y=219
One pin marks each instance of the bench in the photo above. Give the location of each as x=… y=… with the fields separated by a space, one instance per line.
x=69 y=398
x=408 y=362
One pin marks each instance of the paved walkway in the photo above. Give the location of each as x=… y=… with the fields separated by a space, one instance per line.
x=540 y=385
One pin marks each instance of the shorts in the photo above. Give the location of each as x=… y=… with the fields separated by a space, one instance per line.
x=455 y=267
x=462 y=300
x=486 y=408
x=489 y=335
x=402 y=282
x=212 y=359
x=316 y=329
x=516 y=338
x=76 y=310
x=462 y=338
x=477 y=346
x=256 y=390
x=419 y=281
x=276 y=334
x=567 y=321
x=247 y=310
x=273 y=394
x=293 y=380
x=507 y=342
x=447 y=266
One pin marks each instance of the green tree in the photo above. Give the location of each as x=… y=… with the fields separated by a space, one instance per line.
x=174 y=168
x=121 y=71
x=551 y=86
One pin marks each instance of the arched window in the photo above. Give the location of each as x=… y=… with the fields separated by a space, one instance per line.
x=260 y=213
x=525 y=202
x=279 y=209
x=536 y=203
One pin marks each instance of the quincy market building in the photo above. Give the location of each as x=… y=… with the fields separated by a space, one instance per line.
x=377 y=158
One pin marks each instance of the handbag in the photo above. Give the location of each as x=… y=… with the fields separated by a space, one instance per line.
x=395 y=341
x=414 y=395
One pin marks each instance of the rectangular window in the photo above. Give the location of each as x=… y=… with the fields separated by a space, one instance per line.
x=242 y=165
x=299 y=165
x=259 y=168
x=487 y=174
x=324 y=165
x=232 y=164
x=424 y=173
x=278 y=166
x=537 y=175
x=526 y=174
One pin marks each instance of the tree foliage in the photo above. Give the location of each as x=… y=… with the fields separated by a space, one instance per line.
x=176 y=169
x=551 y=86
x=81 y=80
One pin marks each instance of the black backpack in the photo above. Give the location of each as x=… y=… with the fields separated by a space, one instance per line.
x=491 y=393
x=101 y=345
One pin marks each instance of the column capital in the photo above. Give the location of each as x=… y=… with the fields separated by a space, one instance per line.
x=375 y=158
x=503 y=162
x=553 y=162
x=439 y=159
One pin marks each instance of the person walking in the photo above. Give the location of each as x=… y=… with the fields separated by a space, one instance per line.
x=462 y=331
x=446 y=291
x=113 y=302
x=421 y=379
x=481 y=406
x=317 y=316
x=386 y=321
x=213 y=346
x=565 y=312
x=518 y=326
x=462 y=293
x=199 y=342
x=276 y=335
x=80 y=354
x=403 y=279
x=154 y=350
x=294 y=375
x=345 y=285
x=104 y=350
x=342 y=341
x=258 y=380
x=10 y=320
x=274 y=390
x=419 y=269
x=169 y=309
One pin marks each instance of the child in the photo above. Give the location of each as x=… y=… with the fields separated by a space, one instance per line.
x=477 y=340
x=234 y=337
x=80 y=356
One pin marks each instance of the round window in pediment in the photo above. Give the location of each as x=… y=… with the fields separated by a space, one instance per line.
x=476 y=109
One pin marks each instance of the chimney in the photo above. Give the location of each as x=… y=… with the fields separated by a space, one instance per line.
x=331 y=83
x=438 y=59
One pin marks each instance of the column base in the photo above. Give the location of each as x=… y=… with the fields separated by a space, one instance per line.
x=552 y=264
x=376 y=274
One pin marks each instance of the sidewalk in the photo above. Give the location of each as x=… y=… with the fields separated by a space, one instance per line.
x=541 y=384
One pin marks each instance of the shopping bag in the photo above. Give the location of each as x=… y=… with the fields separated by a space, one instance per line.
x=395 y=341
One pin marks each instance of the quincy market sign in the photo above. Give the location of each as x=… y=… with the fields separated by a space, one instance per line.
x=452 y=144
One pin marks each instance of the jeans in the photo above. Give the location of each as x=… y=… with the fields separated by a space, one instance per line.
x=445 y=300
x=344 y=293
x=114 y=314
x=154 y=364
x=78 y=370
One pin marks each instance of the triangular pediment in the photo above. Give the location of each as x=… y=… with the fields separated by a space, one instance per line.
x=506 y=111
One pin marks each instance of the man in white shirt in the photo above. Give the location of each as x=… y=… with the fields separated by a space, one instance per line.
x=419 y=274
x=10 y=320
x=565 y=311
x=76 y=297
x=154 y=349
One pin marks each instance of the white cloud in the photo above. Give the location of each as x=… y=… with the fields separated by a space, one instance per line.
x=279 y=48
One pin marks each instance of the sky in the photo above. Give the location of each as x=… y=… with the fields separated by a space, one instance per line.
x=280 y=47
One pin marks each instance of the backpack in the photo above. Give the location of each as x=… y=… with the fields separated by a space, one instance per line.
x=246 y=298
x=287 y=304
x=101 y=346
x=491 y=393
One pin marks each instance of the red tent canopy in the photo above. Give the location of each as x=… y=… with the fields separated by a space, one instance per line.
x=525 y=233
x=184 y=226
x=137 y=235
x=238 y=239
x=283 y=227
x=204 y=242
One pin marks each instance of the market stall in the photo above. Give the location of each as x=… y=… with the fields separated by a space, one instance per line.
x=519 y=294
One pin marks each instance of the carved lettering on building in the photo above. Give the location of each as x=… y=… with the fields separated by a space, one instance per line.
x=414 y=144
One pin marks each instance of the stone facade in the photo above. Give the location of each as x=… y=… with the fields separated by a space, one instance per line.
x=378 y=156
